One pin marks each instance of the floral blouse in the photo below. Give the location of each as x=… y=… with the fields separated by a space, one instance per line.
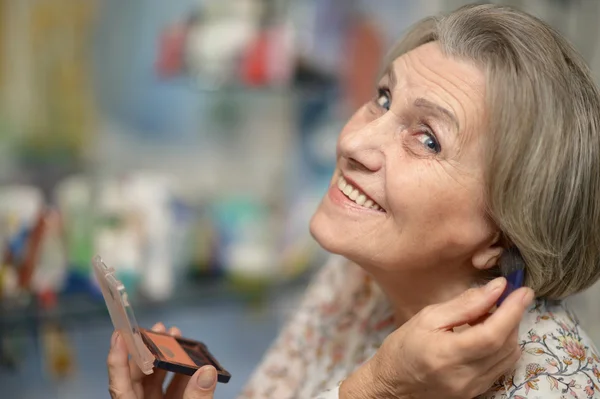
x=344 y=317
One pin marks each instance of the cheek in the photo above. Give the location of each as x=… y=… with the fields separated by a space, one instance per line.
x=434 y=205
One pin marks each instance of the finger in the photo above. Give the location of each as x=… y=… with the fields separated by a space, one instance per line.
x=153 y=383
x=491 y=368
x=501 y=323
x=510 y=313
x=202 y=384
x=177 y=386
x=472 y=323
x=120 y=385
x=469 y=306
x=136 y=374
x=480 y=319
x=174 y=331
x=509 y=348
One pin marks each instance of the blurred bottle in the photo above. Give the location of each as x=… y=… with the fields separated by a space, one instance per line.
x=148 y=199
x=117 y=236
x=57 y=350
x=246 y=246
x=201 y=243
x=20 y=210
x=73 y=198
x=268 y=60
x=49 y=274
x=219 y=37
x=20 y=206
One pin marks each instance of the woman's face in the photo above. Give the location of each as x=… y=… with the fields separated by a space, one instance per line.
x=408 y=189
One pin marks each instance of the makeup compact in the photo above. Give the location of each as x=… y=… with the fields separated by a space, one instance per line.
x=151 y=349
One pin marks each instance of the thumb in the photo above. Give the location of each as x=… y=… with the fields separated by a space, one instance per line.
x=202 y=384
x=119 y=379
x=469 y=306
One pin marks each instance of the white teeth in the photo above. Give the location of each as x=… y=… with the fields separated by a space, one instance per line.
x=355 y=195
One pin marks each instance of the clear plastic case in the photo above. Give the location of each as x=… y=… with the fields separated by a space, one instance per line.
x=122 y=315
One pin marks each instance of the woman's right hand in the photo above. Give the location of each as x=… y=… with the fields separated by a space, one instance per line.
x=425 y=358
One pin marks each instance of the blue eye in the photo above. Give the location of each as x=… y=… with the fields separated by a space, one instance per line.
x=429 y=140
x=383 y=98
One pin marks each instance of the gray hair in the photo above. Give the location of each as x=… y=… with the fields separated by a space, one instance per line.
x=542 y=141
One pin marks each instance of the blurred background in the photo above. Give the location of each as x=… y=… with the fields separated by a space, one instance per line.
x=187 y=142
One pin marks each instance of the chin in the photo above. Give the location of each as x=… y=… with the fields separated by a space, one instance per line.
x=340 y=236
x=324 y=231
x=329 y=235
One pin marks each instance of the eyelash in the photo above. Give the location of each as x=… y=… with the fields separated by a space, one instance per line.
x=381 y=92
x=427 y=131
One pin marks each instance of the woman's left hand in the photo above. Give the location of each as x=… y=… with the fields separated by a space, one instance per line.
x=126 y=380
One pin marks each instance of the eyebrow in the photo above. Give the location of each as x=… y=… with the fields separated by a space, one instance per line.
x=423 y=103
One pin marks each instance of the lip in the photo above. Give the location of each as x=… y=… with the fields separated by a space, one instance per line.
x=338 y=197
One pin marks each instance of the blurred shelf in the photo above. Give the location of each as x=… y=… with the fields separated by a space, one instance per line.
x=78 y=308
x=304 y=88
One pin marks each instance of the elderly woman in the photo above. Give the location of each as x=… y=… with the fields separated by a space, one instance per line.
x=482 y=136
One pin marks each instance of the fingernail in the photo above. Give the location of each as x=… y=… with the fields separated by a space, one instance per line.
x=207 y=377
x=158 y=327
x=114 y=339
x=528 y=298
x=494 y=285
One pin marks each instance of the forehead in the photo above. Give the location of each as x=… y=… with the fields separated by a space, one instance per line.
x=455 y=84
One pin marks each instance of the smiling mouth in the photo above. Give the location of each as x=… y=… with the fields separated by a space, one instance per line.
x=357 y=196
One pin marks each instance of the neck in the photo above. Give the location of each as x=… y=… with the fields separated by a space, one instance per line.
x=411 y=291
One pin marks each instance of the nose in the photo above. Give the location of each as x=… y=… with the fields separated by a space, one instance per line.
x=363 y=147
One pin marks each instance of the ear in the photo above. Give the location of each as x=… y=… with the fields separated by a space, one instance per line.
x=489 y=255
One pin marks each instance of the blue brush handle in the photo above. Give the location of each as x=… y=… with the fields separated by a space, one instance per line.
x=514 y=282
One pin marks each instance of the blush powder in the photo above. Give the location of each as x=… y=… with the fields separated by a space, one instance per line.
x=170 y=348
